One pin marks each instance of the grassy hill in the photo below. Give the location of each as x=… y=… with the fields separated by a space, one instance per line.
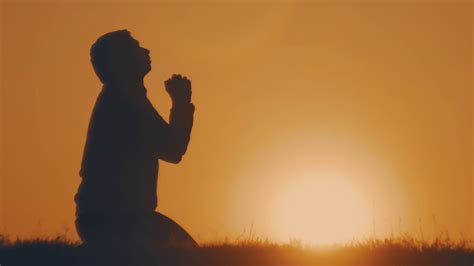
x=400 y=251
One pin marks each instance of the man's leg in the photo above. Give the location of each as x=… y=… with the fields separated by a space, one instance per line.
x=104 y=229
x=161 y=231
x=110 y=239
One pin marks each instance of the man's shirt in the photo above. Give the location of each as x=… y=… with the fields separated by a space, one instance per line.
x=125 y=140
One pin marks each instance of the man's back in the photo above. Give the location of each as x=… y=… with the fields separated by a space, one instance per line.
x=119 y=170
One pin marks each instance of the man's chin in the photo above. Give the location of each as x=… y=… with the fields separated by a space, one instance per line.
x=147 y=70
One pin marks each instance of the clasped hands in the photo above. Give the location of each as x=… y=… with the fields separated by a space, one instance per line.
x=179 y=89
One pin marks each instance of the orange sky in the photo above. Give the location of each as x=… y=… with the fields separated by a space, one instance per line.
x=319 y=121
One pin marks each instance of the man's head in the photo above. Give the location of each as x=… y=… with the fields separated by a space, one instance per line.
x=117 y=57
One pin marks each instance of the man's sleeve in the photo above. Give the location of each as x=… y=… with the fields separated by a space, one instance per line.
x=169 y=141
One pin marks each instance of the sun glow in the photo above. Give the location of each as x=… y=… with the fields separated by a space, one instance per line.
x=321 y=210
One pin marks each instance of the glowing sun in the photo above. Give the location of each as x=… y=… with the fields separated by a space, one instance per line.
x=320 y=210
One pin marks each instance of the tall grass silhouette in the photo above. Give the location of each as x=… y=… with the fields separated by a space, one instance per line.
x=401 y=251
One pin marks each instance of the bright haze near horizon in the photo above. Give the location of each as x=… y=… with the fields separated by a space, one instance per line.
x=317 y=121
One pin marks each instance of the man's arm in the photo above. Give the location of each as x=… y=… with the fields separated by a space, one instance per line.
x=176 y=134
x=170 y=141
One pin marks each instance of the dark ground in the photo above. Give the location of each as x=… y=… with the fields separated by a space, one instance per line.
x=399 y=252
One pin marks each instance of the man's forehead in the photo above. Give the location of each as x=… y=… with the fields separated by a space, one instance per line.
x=129 y=42
x=134 y=41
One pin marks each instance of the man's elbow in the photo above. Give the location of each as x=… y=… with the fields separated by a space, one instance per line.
x=174 y=153
x=176 y=159
x=172 y=158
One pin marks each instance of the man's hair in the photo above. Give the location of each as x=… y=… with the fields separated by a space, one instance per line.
x=110 y=45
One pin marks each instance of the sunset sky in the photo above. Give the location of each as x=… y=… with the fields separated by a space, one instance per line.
x=317 y=120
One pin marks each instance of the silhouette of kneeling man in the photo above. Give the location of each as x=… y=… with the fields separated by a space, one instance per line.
x=116 y=200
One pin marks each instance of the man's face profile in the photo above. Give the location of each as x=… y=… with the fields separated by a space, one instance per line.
x=140 y=57
x=134 y=62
